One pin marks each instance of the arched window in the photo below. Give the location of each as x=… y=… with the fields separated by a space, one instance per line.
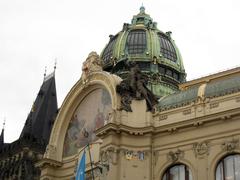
x=228 y=168
x=178 y=172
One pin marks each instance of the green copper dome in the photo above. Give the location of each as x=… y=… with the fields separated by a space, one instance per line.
x=153 y=51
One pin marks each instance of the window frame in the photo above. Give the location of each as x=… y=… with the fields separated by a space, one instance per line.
x=186 y=171
x=221 y=162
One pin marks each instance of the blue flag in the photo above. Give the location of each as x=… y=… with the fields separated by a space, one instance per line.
x=80 y=175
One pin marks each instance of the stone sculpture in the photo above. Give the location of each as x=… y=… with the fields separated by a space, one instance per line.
x=135 y=87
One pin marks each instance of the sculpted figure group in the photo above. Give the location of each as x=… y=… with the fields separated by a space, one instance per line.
x=135 y=86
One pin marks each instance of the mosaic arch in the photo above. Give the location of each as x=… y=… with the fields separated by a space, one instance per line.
x=92 y=113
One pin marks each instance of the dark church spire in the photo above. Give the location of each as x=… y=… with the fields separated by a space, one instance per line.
x=2 y=138
x=34 y=136
x=2 y=135
x=43 y=112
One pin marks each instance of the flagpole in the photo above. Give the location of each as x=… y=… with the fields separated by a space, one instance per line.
x=90 y=157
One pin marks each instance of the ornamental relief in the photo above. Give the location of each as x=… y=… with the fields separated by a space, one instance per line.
x=187 y=111
x=109 y=156
x=91 y=64
x=163 y=117
x=201 y=149
x=231 y=145
x=214 y=105
x=175 y=156
x=133 y=154
x=111 y=116
x=50 y=150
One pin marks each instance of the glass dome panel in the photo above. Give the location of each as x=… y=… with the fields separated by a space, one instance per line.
x=136 y=42
x=167 y=48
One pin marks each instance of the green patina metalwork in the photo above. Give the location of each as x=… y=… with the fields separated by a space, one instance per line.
x=164 y=73
x=224 y=87
x=213 y=89
x=157 y=66
x=178 y=99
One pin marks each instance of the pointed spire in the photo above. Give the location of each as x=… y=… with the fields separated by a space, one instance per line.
x=42 y=114
x=2 y=134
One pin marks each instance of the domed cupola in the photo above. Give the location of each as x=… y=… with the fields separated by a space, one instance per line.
x=151 y=49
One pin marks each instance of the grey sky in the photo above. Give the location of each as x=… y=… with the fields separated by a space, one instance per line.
x=33 y=33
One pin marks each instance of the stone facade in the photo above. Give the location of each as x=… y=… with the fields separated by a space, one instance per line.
x=142 y=144
x=139 y=119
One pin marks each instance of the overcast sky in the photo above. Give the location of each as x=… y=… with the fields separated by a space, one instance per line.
x=35 y=32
